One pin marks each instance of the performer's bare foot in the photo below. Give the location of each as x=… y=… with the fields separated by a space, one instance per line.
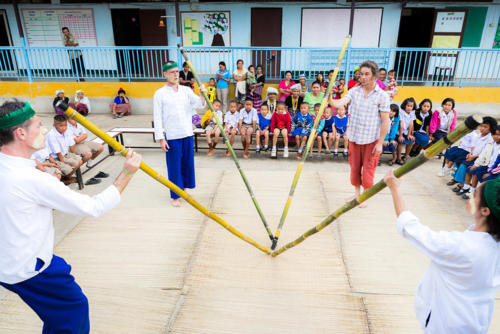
x=227 y=153
x=176 y=202
x=211 y=151
x=246 y=155
x=348 y=199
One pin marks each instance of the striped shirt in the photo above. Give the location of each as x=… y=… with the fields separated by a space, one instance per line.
x=365 y=121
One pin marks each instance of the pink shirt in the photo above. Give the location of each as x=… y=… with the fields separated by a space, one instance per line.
x=283 y=85
x=381 y=84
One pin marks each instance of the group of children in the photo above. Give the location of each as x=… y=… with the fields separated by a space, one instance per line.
x=275 y=118
x=66 y=149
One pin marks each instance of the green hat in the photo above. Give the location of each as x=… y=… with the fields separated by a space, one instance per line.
x=491 y=195
x=16 y=117
x=169 y=66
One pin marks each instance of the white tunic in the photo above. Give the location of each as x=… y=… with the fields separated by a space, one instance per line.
x=76 y=130
x=462 y=280
x=26 y=202
x=173 y=112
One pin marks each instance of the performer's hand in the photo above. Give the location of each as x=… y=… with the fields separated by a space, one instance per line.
x=377 y=149
x=203 y=89
x=132 y=161
x=164 y=145
x=391 y=180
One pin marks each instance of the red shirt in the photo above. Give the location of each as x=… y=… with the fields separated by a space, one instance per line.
x=281 y=121
x=351 y=84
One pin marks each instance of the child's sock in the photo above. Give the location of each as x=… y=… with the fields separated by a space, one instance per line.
x=466 y=187
x=345 y=150
x=472 y=190
x=266 y=147
x=274 y=147
x=335 y=151
x=257 y=147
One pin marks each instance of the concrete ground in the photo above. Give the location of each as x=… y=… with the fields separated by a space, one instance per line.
x=147 y=267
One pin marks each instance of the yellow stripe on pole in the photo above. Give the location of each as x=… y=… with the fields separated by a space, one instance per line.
x=155 y=175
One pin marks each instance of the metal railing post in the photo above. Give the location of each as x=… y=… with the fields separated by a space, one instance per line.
x=26 y=59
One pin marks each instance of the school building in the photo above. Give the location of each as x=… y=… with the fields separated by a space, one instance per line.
x=445 y=46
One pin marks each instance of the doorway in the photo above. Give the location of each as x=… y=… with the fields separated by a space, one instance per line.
x=152 y=35
x=127 y=32
x=415 y=30
x=6 y=57
x=266 y=31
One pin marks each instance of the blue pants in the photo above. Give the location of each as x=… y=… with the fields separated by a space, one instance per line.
x=180 y=163
x=456 y=154
x=56 y=298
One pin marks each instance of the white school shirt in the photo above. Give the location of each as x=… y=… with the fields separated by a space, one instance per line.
x=460 y=285
x=41 y=155
x=468 y=141
x=249 y=117
x=494 y=154
x=173 y=112
x=232 y=119
x=27 y=199
x=59 y=143
x=407 y=119
x=480 y=142
x=76 y=130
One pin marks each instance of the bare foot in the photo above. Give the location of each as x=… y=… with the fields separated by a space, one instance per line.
x=176 y=202
x=227 y=153
x=211 y=151
x=362 y=205
x=246 y=155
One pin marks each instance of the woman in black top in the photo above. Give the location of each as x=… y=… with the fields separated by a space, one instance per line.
x=186 y=78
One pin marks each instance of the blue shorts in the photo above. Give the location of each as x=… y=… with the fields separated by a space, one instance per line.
x=389 y=148
x=340 y=131
x=298 y=132
x=438 y=135
x=456 y=154
x=480 y=171
x=407 y=141
x=421 y=138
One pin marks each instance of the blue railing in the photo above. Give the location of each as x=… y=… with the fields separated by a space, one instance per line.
x=415 y=66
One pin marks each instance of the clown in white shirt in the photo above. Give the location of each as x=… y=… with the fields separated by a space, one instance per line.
x=174 y=106
x=28 y=266
x=457 y=293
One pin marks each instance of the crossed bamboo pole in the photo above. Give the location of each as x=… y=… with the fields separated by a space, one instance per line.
x=155 y=175
x=466 y=127
x=310 y=141
x=228 y=144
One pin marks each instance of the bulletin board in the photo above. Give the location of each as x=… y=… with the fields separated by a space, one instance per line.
x=42 y=26
x=335 y=21
x=206 y=28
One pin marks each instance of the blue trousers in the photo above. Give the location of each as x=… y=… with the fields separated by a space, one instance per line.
x=180 y=163
x=56 y=298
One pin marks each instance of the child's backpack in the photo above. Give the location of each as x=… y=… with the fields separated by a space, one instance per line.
x=196 y=120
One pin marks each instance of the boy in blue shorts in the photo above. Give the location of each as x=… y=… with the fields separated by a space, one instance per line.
x=263 y=128
x=328 y=132
x=301 y=127
x=390 y=144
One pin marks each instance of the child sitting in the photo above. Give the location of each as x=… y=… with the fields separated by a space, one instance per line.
x=45 y=163
x=301 y=127
x=318 y=136
x=263 y=129
x=211 y=128
x=121 y=105
x=406 y=138
x=280 y=124
x=421 y=126
x=247 y=125
x=341 y=123
x=328 y=133
x=231 y=120
x=338 y=90
x=392 y=85
x=484 y=161
x=443 y=121
x=61 y=145
x=88 y=150
x=211 y=90
x=390 y=144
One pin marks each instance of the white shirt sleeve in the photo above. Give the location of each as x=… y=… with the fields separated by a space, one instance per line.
x=194 y=101
x=157 y=116
x=443 y=248
x=53 y=144
x=54 y=194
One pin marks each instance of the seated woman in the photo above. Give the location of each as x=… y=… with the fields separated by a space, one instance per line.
x=60 y=97
x=81 y=103
x=121 y=105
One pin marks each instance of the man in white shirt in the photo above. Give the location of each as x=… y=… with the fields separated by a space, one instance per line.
x=174 y=107
x=27 y=264
x=457 y=293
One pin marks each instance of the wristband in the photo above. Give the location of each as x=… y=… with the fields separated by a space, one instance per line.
x=127 y=173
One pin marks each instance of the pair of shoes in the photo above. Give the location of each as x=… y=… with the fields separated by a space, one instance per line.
x=92 y=181
x=462 y=191
x=451 y=183
x=257 y=151
x=115 y=116
x=456 y=189
x=399 y=162
x=345 y=154
x=335 y=155
x=328 y=151
x=318 y=156
x=390 y=163
x=285 y=152
x=273 y=153
x=266 y=148
x=101 y=175
x=120 y=115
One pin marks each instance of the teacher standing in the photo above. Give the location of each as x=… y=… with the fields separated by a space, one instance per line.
x=174 y=106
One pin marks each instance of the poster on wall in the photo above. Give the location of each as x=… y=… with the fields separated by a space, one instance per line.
x=451 y=22
x=496 y=42
x=206 y=28
x=43 y=26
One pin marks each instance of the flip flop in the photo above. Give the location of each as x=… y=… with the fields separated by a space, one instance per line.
x=101 y=175
x=92 y=181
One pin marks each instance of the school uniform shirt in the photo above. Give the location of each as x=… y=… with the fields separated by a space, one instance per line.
x=249 y=117
x=26 y=202
x=232 y=119
x=459 y=287
x=41 y=155
x=76 y=130
x=264 y=121
x=480 y=142
x=468 y=141
x=173 y=112
x=406 y=119
x=494 y=154
x=207 y=116
x=59 y=143
x=422 y=121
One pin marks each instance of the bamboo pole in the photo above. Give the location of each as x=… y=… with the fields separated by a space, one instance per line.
x=228 y=144
x=310 y=141
x=469 y=125
x=155 y=175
